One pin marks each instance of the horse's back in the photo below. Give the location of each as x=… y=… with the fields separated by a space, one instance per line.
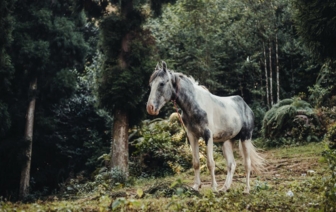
x=236 y=106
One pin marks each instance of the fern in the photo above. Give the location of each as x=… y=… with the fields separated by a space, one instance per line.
x=282 y=124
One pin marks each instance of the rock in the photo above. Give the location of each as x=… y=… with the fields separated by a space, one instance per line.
x=290 y=193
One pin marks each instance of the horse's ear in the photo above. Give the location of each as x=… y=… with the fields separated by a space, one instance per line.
x=157 y=66
x=164 y=65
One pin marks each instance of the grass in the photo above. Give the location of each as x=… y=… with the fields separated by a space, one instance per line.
x=293 y=182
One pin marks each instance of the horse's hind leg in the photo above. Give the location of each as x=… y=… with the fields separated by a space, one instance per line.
x=196 y=163
x=211 y=162
x=245 y=149
x=231 y=164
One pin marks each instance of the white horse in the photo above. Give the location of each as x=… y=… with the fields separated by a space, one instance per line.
x=214 y=118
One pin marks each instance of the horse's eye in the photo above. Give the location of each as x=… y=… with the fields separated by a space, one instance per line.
x=161 y=84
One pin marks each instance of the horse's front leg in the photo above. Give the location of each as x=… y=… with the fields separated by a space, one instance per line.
x=196 y=163
x=210 y=160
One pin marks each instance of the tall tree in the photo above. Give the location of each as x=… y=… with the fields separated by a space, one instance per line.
x=277 y=68
x=47 y=44
x=266 y=77
x=271 y=72
x=128 y=48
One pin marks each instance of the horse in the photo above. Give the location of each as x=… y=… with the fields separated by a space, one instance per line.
x=207 y=116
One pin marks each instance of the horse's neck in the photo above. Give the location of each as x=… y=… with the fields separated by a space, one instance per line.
x=186 y=98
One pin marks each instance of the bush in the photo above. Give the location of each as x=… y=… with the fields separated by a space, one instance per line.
x=259 y=113
x=160 y=148
x=330 y=155
x=291 y=121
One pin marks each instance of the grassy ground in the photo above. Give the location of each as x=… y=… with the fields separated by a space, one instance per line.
x=293 y=182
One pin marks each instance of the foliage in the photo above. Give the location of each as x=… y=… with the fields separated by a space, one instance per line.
x=221 y=44
x=323 y=91
x=330 y=155
x=160 y=149
x=125 y=87
x=5 y=117
x=315 y=23
x=118 y=176
x=82 y=130
x=268 y=193
x=259 y=113
x=169 y=189
x=48 y=43
x=104 y=180
x=6 y=65
x=291 y=121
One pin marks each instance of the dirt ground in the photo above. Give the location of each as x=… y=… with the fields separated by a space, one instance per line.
x=282 y=164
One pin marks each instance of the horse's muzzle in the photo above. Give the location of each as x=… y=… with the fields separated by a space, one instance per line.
x=151 y=110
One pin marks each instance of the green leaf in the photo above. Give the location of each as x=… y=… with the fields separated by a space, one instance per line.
x=309 y=138
x=140 y=192
x=117 y=203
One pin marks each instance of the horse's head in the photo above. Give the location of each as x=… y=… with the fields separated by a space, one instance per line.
x=162 y=84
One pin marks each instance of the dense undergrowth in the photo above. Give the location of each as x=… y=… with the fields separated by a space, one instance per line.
x=295 y=181
x=330 y=155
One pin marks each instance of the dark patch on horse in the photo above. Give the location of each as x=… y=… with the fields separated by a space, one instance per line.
x=206 y=136
x=194 y=116
x=247 y=117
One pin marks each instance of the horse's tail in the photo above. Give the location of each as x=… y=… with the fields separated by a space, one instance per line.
x=257 y=161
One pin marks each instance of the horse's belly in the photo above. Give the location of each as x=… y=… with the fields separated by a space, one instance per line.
x=223 y=136
x=225 y=125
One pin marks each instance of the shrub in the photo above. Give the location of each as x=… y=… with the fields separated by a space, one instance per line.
x=159 y=149
x=330 y=155
x=291 y=121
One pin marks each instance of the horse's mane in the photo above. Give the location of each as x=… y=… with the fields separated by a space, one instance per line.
x=191 y=79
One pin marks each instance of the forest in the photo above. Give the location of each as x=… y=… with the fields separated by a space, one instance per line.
x=74 y=83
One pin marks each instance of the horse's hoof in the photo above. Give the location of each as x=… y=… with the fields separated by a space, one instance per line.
x=246 y=192
x=224 y=189
x=197 y=187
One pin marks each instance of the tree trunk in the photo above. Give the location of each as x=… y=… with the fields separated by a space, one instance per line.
x=277 y=71
x=271 y=74
x=119 y=146
x=241 y=89
x=261 y=85
x=28 y=136
x=266 y=78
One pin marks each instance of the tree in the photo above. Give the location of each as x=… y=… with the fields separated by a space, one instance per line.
x=47 y=44
x=277 y=67
x=6 y=66
x=315 y=23
x=266 y=77
x=128 y=49
x=271 y=73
